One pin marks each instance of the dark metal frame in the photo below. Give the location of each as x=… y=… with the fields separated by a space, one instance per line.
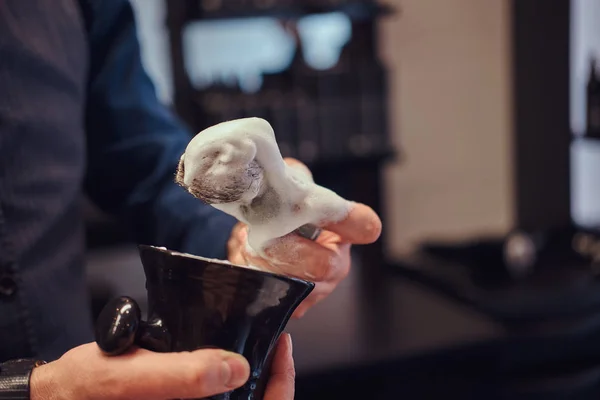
x=541 y=135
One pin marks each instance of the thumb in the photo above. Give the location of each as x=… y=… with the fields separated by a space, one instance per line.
x=197 y=374
x=361 y=226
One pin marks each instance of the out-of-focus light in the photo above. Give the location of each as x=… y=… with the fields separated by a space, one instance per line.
x=323 y=37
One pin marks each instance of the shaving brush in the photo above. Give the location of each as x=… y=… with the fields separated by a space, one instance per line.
x=236 y=167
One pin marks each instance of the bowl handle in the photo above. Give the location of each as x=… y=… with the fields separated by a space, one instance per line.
x=120 y=327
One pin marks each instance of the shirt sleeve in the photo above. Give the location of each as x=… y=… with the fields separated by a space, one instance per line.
x=134 y=144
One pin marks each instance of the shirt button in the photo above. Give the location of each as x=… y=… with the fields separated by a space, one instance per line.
x=8 y=286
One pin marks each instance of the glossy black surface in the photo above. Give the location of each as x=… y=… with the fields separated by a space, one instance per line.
x=197 y=303
x=118 y=325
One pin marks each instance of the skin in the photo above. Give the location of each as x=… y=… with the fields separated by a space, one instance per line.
x=143 y=374
x=84 y=373
x=325 y=261
x=236 y=167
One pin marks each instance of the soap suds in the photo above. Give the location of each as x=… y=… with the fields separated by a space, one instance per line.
x=205 y=259
x=236 y=167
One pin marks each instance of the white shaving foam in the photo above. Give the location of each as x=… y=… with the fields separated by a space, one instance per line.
x=299 y=200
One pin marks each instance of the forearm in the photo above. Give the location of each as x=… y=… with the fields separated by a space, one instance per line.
x=17 y=379
x=135 y=143
x=40 y=384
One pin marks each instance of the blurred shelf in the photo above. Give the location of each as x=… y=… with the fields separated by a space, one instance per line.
x=584 y=135
x=561 y=284
x=335 y=121
x=577 y=138
x=198 y=10
x=344 y=162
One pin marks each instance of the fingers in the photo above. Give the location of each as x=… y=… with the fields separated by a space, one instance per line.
x=283 y=373
x=305 y=259
x=321 y=291
x=325 y=262
x=197 y=374
x=361 y=226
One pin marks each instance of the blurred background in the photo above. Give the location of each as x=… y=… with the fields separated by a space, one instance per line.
x=471 y=126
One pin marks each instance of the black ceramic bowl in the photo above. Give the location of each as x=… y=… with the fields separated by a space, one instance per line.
x=195 y=303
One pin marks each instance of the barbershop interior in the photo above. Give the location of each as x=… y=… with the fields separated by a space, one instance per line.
x=472 y=128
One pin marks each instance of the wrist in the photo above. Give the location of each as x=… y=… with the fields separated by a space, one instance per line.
x=15 y=378
x=40 y=383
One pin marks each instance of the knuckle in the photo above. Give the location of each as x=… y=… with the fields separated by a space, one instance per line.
x=203 y=375
x=320 y=273
x=195 y=373
x=337 y=269
x=290 y=374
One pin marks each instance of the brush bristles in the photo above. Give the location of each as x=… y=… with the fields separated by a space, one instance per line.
x=205 y=189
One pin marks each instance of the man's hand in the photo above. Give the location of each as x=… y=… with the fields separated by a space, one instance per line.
x=325 y=261
x=283 y=374
x=85 y=373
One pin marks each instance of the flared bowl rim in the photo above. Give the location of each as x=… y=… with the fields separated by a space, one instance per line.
x=223 y=263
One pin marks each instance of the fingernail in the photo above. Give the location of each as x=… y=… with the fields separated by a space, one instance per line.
x=291 y=343
x=235 y=371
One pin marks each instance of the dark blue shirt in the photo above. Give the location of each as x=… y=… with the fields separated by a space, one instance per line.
x=78 y=114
